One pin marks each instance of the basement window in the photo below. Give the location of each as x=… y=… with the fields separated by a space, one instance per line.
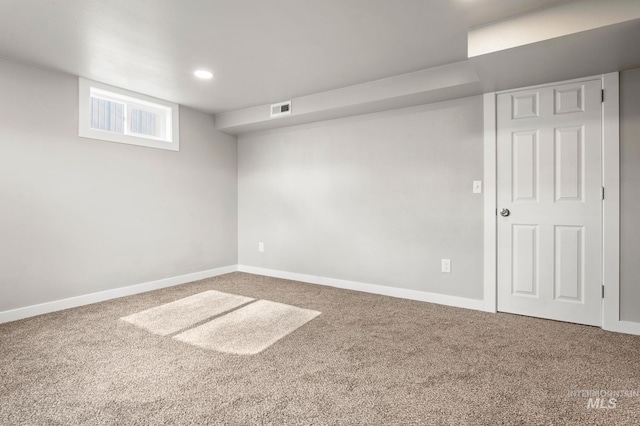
x=117 y=115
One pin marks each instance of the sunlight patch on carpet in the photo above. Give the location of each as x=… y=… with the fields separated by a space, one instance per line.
x=248 y=330
x=175 y=316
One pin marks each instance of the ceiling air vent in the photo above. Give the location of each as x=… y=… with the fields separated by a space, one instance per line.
x=280 y=109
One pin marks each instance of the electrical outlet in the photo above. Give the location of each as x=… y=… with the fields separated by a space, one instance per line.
x=261 y=247
x=477 y=187
x=446 y=266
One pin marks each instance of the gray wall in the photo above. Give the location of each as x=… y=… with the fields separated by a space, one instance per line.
x=630 y=195
x=79 y=215
x=360 y=199
x=378 y=199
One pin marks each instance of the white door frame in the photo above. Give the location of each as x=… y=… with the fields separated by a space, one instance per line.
x=610 y=211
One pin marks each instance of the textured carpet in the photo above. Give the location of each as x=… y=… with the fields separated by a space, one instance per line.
x=180 y=314
x=250 y=329
x=366 y=360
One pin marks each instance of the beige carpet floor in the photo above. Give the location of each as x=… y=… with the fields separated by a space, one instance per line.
x=366 y=359
x=248 y=330
x=182 y=313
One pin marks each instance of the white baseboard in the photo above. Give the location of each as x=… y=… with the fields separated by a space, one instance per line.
x=72 y=302
x=627 y=327
x=422 y=296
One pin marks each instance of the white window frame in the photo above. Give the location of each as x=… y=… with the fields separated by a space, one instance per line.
x=129 y=98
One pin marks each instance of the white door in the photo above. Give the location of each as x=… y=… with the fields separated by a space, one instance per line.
x=550 y=202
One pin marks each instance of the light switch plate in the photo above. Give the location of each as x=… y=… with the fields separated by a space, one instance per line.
x=477 y=187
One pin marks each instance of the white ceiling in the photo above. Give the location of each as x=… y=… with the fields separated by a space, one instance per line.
x=261 y=51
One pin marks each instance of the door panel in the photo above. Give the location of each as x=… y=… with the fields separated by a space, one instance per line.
x=568 y=263
x=525 y=255
x=569 y=146
x=549 y=178
x=525 y=149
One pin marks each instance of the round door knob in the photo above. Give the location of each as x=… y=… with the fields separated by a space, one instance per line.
x=505 y=212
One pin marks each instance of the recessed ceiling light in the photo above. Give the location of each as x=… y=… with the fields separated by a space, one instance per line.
x=203 y=74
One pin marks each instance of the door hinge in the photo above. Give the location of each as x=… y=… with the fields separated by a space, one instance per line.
x=602 y=95
x=603 y=192
x=603 y=291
